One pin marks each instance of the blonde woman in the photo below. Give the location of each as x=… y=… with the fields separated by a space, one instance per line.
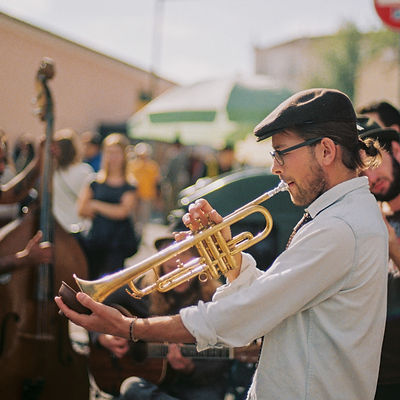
x=109 y=202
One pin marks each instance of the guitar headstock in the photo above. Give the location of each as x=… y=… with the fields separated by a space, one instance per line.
x=43 y=99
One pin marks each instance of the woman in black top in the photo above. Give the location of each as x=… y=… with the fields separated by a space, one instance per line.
x=109 y=201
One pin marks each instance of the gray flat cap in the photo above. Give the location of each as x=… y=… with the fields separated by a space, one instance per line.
x=310 y=106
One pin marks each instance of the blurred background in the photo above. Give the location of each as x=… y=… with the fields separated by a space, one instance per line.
x=190 y=78
x=113 y=57
x=185 y=82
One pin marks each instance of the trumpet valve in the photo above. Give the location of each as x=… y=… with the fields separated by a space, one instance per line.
x=200 y=226
x=203 y=277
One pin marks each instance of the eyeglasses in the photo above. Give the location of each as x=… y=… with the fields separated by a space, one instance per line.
x=278 y=154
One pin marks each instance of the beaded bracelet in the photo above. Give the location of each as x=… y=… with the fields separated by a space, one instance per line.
x=131 y=336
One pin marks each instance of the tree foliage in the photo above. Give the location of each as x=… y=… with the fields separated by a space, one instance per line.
x=341 y=57
x=344 y=52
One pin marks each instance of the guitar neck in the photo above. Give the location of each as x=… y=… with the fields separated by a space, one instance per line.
x=160 y=350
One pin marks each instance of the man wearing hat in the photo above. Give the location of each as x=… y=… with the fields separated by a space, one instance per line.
x=320 y=307
x=383 y=113
x=384 y=180
x=385 y=185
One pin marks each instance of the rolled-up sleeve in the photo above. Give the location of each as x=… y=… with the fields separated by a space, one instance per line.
x=257 y=301
x=194 y=318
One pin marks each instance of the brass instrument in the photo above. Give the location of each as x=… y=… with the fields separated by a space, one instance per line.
x=216 y=256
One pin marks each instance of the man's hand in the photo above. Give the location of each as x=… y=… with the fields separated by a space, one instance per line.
x=117 y=345
x=201 y=214
x=36 y=252
x=177 y=361
x=103 y=319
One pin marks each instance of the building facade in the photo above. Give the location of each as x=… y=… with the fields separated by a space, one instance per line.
x=299 y=64
x=88 y=89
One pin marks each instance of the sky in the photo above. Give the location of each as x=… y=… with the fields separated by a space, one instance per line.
x=187 y=41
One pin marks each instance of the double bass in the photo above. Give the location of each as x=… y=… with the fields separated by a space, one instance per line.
x=37 y=361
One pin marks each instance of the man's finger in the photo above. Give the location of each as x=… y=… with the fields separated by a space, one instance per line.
x=88 y=302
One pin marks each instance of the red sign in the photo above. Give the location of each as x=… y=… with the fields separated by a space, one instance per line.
x=389 y=12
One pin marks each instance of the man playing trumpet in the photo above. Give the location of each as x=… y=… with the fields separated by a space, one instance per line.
x=321 y=306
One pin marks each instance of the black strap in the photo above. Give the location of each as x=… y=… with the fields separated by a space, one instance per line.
x=306 y=218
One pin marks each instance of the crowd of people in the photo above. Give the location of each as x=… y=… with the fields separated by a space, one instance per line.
x=320 y=323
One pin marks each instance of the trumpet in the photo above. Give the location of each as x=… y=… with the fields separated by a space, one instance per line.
x=216 y=256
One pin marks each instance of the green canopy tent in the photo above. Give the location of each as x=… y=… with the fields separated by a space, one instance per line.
x=209 y=113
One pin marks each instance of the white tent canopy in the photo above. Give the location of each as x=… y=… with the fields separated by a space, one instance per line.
x=208 y=112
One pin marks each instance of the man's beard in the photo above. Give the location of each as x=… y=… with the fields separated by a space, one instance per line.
x=394 y=188
x=311 y=188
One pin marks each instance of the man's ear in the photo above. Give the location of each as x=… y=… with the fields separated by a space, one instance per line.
x=328 y=151
x=396 y=150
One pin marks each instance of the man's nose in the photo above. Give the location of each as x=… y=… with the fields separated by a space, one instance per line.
x=276 y=169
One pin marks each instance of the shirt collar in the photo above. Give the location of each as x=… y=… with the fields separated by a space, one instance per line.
x=335 y=193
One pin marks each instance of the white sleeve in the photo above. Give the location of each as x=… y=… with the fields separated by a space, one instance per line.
x=305 y=274
x=248 y=273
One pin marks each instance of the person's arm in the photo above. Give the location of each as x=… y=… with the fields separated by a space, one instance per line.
x=84 y=202
x=35 y=252
x=18 y=187
x=105 y=319
x=116 y=211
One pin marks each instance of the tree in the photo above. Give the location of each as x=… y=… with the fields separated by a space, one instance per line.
x=344 y=52
x=341 y=56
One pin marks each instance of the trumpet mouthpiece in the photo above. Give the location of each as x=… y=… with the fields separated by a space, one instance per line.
x=283 y=186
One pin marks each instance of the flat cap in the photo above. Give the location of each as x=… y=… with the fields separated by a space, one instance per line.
x=368 y=128
x=310 y=106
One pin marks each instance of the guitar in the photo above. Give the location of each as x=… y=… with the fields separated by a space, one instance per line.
x=148 y=361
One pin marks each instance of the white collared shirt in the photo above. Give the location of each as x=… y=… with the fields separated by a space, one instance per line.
x=321 y=306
